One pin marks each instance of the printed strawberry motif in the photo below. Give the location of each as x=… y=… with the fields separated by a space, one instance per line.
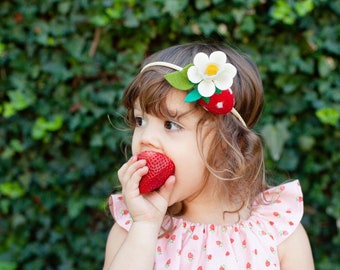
x=190 y=257
x=195 y=237
x=284 y=233
x=127 y=222
x=276 y=214
x=167 y=264
x=160 y=168
x=172 y=238
x=124 y=212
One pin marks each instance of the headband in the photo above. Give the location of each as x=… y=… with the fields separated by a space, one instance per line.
x=208 y=80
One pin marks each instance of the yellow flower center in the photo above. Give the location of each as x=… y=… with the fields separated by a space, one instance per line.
x=211 y=69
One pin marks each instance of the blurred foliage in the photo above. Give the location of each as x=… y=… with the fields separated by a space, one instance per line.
x=63 y=67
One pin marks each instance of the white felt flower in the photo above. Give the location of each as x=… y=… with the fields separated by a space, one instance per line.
x=210 y=72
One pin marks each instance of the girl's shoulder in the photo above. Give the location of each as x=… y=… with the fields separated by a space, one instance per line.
x=280 y=210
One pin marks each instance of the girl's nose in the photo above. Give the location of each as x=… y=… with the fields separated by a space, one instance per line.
x=150 y=137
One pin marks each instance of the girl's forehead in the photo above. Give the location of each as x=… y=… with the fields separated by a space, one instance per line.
x=174 y=103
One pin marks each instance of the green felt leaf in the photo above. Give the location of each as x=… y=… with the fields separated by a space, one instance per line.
x=206 y=99
x=193 y=96
x=179 y=79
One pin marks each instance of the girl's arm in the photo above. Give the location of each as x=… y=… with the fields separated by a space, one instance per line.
x=295 y=252
x=133 y=250
x=136 y=249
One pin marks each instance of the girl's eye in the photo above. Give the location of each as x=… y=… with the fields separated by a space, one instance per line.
x=171 y=125
x=139 y=121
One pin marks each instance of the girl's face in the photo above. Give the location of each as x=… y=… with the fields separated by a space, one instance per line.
x=175 y=137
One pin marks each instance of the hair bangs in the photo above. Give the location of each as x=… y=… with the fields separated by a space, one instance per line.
x=149 y=90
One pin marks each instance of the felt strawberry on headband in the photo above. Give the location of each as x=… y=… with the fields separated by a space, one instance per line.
x=208 y=80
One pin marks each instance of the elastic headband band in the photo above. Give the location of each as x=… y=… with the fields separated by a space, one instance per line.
x=195 y=94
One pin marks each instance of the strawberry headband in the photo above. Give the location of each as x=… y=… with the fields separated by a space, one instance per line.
x=209 y=80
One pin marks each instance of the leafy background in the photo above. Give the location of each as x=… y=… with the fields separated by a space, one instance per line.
x=63 y=67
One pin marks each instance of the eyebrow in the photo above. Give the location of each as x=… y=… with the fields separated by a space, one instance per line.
x=167 y=112
x=178 y=114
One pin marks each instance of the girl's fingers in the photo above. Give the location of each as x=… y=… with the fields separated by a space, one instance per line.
x=132 y=182
x=131 y=169
x=166 y=190
x=126 y=165
x=131 y=172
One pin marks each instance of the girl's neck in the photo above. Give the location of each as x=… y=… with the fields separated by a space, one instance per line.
x=214 y=209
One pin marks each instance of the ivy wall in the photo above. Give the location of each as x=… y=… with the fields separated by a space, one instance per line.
x=63 y=67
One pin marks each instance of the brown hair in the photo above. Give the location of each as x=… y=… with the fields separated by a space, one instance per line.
x=236 y=154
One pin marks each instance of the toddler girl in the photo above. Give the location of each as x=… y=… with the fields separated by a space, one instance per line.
x=197 y=104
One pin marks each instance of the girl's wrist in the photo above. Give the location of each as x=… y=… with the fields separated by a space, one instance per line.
x=148 y=224
x=146 y=228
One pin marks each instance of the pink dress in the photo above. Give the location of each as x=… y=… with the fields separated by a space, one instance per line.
x=250 y=244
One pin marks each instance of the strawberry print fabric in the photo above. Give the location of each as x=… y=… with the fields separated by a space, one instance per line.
x=250 y=244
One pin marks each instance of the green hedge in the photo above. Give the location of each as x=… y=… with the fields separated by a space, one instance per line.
x=63 y=67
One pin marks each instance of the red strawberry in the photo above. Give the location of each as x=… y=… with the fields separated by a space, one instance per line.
x=160 y=168
x=219 y=103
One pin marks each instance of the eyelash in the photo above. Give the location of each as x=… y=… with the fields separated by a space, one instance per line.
x=177 y=126
x=139 y=122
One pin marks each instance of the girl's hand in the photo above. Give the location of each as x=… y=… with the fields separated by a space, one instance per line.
x=149 y=207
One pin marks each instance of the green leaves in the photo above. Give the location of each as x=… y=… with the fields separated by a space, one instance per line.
x=328 y=116
x=289 y=11
x=175 y=7
x=63 y=67
x=18 y=101
x=42 y=127
x=179 y=79
x=12 y=190
x=8 y=265
x=275 y=136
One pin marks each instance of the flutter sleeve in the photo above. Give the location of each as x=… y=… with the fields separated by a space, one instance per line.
x=119 y=211
x=281 y=212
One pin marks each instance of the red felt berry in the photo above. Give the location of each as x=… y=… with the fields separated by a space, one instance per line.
x=219 y=103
